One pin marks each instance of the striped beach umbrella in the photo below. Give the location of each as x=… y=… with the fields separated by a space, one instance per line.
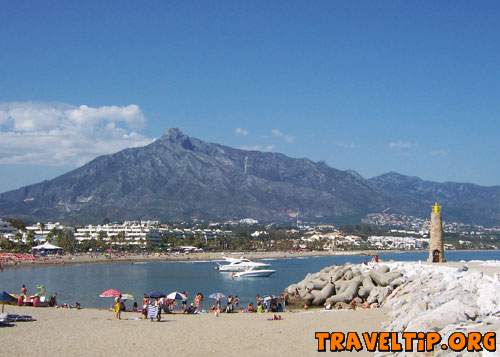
x=176 y=296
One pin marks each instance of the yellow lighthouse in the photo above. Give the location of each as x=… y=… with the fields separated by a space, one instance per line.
x=436 y=240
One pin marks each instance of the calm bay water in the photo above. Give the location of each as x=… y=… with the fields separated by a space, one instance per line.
x=84 y=282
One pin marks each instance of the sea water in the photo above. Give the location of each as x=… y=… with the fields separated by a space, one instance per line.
x=84 y=282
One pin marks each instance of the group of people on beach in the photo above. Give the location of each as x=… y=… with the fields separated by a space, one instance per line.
x=153 y=307
x=40 y=299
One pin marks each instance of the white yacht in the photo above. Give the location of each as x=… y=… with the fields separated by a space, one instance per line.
x=255 y=272
x=239 y=265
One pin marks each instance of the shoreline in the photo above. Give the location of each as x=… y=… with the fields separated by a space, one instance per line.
x=162 y=257
x=205 y=256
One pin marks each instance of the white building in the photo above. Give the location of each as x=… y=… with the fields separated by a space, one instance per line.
x=391 y=242
x=7 y=231
x=42 y=230
x=141 y=233
x=249 y=221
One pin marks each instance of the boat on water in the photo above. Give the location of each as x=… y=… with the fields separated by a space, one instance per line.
x=256 y=272
x=238 y=265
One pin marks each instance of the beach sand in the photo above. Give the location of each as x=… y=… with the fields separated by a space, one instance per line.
x=90 y=332
x=131 y=257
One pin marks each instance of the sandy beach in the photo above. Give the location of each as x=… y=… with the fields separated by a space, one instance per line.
x=129 y=257
x=90 y=332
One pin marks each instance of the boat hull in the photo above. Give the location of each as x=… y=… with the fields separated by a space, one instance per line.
x=255 y=274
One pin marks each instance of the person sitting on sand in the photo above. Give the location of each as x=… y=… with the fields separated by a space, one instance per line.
x=53 y=300
x=190 y=309
x=276 y=318
x=260 y=308
x=279 y=307
x=250 y=308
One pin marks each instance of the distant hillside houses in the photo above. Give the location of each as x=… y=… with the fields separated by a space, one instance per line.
x=415 y=224
x=404 y=243
x=332 y=240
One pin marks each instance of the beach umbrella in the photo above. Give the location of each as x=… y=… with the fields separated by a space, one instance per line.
x=176 y=296
x=110 y=293
x=127 y=297
x=217 y=296
x=156 y=294
x=6 y=298
x=270 y=297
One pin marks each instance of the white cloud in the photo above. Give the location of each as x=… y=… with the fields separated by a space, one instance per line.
x=280 y=135
x=440 y=153
x=401 y=145
x=258 y=147
x=346 y=145
x=241 y=131
x=62 y=134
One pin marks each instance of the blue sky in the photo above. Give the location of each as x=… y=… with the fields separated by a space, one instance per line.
x=374 y=86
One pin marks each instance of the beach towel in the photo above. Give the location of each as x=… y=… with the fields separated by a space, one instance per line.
x=152 y=311
x=18 y=318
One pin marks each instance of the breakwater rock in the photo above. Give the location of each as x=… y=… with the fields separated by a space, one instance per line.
x=445 y=300
x=346 y=286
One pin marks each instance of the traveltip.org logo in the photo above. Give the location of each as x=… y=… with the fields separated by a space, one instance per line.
x=405 y=341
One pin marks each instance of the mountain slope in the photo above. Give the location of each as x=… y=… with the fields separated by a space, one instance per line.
x=179 y=177
x=463 y=202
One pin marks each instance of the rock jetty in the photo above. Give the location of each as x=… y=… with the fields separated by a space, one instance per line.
x=345 y=286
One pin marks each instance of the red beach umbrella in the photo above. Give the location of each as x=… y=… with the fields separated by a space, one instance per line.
x=110 y=293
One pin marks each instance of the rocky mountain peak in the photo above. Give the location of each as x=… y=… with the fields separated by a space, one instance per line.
x=179 y=177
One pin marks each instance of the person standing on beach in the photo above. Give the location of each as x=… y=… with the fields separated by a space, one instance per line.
x=198 y=302
x=185 y=301
x=145 y=303
x=23 y=290
x=217 y=308
x=117 y=308
x=158 y=304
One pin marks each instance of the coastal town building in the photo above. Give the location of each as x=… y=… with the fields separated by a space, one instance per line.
x=41 y=231
x=139 y=233
x=7 y=231
x=397 y=242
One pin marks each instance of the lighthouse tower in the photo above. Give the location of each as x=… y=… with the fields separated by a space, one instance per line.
x=436 y=241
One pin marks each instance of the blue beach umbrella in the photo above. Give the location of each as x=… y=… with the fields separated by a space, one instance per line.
x=6 y=298
x=156 y=294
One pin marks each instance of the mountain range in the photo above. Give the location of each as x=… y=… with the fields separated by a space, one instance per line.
x=178 y=177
